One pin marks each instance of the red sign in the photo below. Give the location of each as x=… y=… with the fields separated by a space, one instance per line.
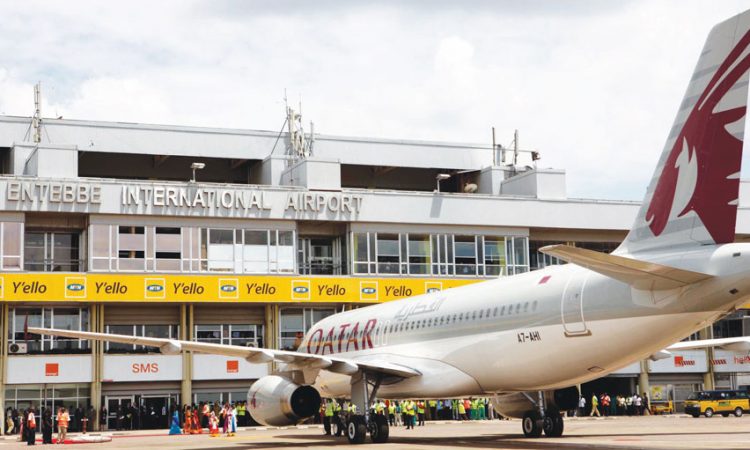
x=233 y=366
x=680 y=361
x=51 y=369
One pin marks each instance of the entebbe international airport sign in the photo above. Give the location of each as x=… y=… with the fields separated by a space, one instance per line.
x=190 y=199
x=51 y=287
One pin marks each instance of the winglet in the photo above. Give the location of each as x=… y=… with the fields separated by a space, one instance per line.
x=639 y=274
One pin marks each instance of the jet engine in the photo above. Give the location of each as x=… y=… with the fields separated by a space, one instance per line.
x=277 y=401
x=516 y=404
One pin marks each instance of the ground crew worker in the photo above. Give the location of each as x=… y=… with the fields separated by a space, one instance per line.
x=410 y=414
x=461 y=410
x=241 y=411
x=399 y=413
x=392 y=413
x=482 y=408
x=327 y=416
x=433 y=409
x=420 y=412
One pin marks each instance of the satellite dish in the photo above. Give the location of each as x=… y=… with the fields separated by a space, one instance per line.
x=470 y=188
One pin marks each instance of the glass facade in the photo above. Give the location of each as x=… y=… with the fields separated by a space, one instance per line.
x=242 y=335
x=376 y=253
x=11 y=240
x=52 y=251
x=156 y=331
x=71 y=396
x=118 y=248
x=76 y=319
x=295 y=322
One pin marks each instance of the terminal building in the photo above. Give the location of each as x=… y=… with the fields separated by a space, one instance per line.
x=249 y=237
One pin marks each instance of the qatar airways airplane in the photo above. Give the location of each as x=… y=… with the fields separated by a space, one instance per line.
x=527 y=340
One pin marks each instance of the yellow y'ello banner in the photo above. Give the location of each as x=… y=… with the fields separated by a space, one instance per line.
x=66 y=287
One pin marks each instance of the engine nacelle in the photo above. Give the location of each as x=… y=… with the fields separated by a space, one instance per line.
x=516 y=404
x=276 y=401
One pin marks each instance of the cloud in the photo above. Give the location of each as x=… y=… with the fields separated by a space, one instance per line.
x=593 y=86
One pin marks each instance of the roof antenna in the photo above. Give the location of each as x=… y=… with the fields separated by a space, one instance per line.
x=36 y=121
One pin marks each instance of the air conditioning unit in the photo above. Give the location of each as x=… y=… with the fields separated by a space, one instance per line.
x=18 y=348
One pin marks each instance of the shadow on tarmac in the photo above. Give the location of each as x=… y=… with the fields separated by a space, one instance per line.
x=493 y=441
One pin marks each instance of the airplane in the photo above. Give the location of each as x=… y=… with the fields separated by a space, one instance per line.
x=528 y=340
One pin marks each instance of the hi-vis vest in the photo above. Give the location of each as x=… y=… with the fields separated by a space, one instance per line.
x=329 y=409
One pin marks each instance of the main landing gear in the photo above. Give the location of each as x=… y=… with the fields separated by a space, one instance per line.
x=539 y=420
x=358 y=425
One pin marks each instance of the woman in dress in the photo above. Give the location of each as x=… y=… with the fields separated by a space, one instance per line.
x=174 y=428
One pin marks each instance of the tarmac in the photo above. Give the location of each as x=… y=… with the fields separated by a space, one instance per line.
x=621 y=433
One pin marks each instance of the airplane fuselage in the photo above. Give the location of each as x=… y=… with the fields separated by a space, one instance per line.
x=546 y=329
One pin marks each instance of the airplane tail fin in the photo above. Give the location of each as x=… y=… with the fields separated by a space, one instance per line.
x=692 y=197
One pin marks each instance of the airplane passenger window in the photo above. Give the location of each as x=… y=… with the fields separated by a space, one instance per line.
x=461 y=316
x=474 y=315
x=494 y=312
x=488 y=312
x=518 y=308
x=534 y=305
x=526 y=307
x=481 y=313
x=502 y=311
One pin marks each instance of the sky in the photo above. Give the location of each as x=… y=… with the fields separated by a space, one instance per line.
x=592 y=85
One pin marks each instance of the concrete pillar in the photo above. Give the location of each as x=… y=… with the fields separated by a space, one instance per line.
x=272 y=331
x=96 y=324
x=643 y=382
x=708 y=377
x=186 y=334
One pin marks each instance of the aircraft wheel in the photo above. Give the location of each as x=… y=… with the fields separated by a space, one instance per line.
x=379 y=430
x=531 y=424
x=356 y=431
x=553 y=424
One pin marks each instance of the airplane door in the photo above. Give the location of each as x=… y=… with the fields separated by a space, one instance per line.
x=572 y=306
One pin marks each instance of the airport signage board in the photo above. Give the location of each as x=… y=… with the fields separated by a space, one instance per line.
x=165 y=288
x=142 y=368
x=728 y=361
x=24 y=369
x=683 y=361
x=181 y=199
x=217 y=367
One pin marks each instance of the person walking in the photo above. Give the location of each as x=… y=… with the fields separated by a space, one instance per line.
x=63 y=420
x=582 y=406
x=595 y=406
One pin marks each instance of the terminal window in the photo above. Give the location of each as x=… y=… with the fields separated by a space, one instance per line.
x=76 y=319
x=56 y=251
x=296 y=322
x=376 y=253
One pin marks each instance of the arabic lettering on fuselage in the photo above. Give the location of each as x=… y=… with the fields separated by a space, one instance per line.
x=418 y=308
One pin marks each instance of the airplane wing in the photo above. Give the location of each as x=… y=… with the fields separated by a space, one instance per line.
x=639 y=274
x=293 y=360
x=737 y=344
